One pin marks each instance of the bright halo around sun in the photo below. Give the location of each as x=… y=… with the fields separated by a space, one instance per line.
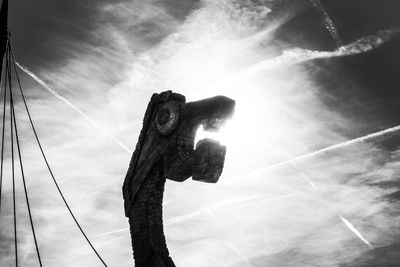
x=274 y=116
x=247 y=135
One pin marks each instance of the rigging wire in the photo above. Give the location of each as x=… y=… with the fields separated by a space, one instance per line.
x=47 y=163
x=8 y=70
x=3 y=129
x=23 y=176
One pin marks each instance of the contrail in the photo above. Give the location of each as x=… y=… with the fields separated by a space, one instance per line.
x=328 y=23
x=299 y=55
x=233 y=245
x=333 y=147
x=344 y=220
x=209 y=210
x=112 y=232
x=305 y=177
x=362 y=45
x=199 y=212
x=75 y=108
x=355 y=231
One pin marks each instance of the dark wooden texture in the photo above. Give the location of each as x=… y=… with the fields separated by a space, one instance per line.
x=146 y=225
x=165 y=150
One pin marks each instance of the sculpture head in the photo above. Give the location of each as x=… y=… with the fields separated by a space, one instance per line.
x=167 y=141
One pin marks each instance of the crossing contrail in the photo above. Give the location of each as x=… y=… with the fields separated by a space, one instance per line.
x=355 y=231
x=328 y=23
x=305 y=176
x=346 y=222
x=75 y=108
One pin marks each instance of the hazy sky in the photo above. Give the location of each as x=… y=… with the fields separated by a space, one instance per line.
x=296 y=92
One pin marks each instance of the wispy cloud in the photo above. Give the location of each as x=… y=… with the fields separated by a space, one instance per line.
x=75 y=108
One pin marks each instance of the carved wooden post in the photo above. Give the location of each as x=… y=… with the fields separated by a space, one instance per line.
x=165 y=150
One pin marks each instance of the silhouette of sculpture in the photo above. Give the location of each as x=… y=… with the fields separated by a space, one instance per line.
x=165 y=150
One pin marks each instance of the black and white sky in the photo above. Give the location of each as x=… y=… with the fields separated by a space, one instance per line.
x=296 y=90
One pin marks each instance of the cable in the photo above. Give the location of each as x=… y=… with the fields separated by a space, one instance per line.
x=3 y=128
x=23 y=177
x=47 y=163
x=12 y=162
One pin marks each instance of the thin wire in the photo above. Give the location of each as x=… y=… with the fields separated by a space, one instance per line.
x=23 y=178
x=47 y=163
x=12 y=162
x=3 y=129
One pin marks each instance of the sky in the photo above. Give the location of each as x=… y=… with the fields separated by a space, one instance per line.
x=305 y=75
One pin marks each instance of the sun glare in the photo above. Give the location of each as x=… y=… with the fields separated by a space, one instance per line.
x=246 y=135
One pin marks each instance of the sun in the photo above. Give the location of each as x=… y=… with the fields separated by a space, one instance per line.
x=249 y=136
